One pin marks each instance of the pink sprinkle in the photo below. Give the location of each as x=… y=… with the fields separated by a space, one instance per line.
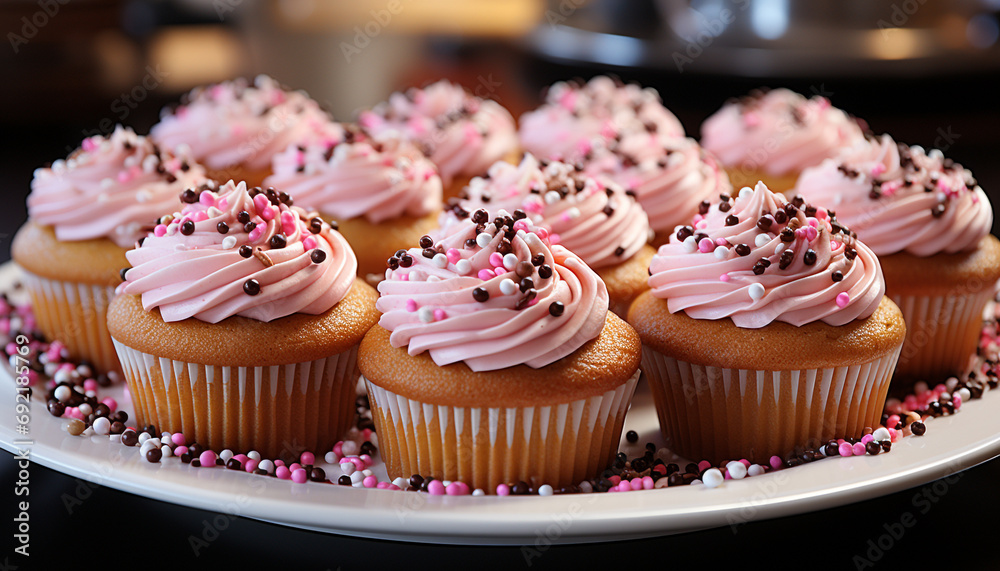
x=207 y=198
x=878 y=169
x=368 y=461
x=199 y=216
x=893 y=434
x=957 y=401
x=821 y=213
x=624 y=487
x=439 y=314
x=338 y=448
x=745 y=462
x=282 y=472
x=647 y=483
x=89 y=144
x=726 y=476
x=697 y=218
x=496 y=259
x=180 y=450
x=704 y=465
x=250 y=465
x=843 y=299
x=615 y=479
x=279 y=462
x=472 y=134
x=242 y=458
x=411 y=306
x=359 y=464
x=892 y=421
x=502 y=490
x=812 y=222
x=568 y=99
x=255 y=233
x=721 y=242
x=457 y=489
x=268 y=212
x=845 y=449
x=404 y=278
x=178 y=439
x=811 y=232
x=111 y=403
x=309 y=243
x=521 y=225
x=261 y=203
x=554 y=239
x=706 y=245
x=867 y=438
x=485 y=274
x=299 y=476
x=369 y=482
x=435 y=488
x=453 y=255
x=542 y=233
x=160 y=230
x=859 y=449
x=123 y=176
x=751 y=119
x=288 y=223
x=499 y=271
x=636 y=484
x=307 y=458
x=383 y=486
x=775 y=462
x=207 y=458
x=90 y=385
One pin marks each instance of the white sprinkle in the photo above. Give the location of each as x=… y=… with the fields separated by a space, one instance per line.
x=102 y=426
x=779 y=249
x=510 y=261
x=433 y=279
x=367 y=472
x=440 y=260
x=690 y=244
x=881 y=433
x=130 y=161
x=213 y=212
x=59 y=165
x=586 y=487
x=545 y=490
x=86 y=409
x=226 y=455
x=478 y=492
x=941 y=197
x=347 y=467
x=964 y=394
x=756 y=291
x=936 y=154
x=229 y=242
x=106 y=184
x=401 y=483
x=712 y=478
x=736 y=470
x=349 y=448
x=721 y=252
x=917 y=149
x=745 y=192
x=62 y=393
x=266 y=465
x=755 y=470
x=330 y=457
x=171 y=229
x=91 y=393
x=166 y=451
x=483 y=240
x=508 y=287
x=425 y=314
x=463 y=267
x=551 y=197
x=357 y=477
x=573 y=212
x=143 y=196
x=254 y=455
x=762 y=239
x=149 y=163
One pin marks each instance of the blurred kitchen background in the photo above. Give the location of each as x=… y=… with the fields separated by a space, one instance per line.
x=925 y=71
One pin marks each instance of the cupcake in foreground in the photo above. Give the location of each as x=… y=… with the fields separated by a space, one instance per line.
x=383 y=194
x=772 y=136
x=929 y=222
x=497 y=361
x=235 y=128
x=84 y=212
x=593 y=218
x=766 y=327
x=239 y=322
x=462 y=134
x=673 y=179
x=577 y=117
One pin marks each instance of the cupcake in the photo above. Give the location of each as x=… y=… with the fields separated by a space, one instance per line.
x=235 y=129
x=929 y=222
x=238 y=324
x=593 y=218
x=673 y=179
x=384 y=194
x=462 y=134
x=765 y=328
x=84 y=212
x=577 y=117
x=497 y=361
x=772 y=136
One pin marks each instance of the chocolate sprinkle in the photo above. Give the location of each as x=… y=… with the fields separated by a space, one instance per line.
x=556 y=308
x=317 y=256
x=251 y=287
x=222 y=227
x=278 y=241
x=187 y=228
x=480 y=294
x=743 y=249
x=246 y=251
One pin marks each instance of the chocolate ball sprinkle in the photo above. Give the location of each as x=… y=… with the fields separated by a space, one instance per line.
x=732 y=220
x=836 y=275
x=123 y=272
x=251 y=287
x=743 y=249
x=480 y=294
x=545 y=271
x=243 y=217
x=918 y=428
x=426 y=241
x=317 y=256
x=189 y=196
x=246 y=251
x=222 y=227
x=556 y=308
x=187 y=228
x=278 y=241
x=153 y=455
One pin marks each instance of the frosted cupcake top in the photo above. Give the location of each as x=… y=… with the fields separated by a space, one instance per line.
x=778 y=131
x=494 y=293
x=110 y=187
x=758 y=258
x=901 y=198
x=578 y=116
x=595 y=219
x=350 y=174
x=235 y=123
x=232 y=251
x=669 y=177
x=461 y=133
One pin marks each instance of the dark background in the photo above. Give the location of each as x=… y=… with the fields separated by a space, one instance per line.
x=58 y=87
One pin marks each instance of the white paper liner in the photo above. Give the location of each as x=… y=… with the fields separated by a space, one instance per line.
x=483 y=447
x=716 y=414
x=279 y=411
x=75 y=314
x=942 y=332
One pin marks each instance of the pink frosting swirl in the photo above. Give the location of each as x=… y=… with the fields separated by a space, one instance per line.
x=353 y=175
x=111 y=187
x=899 y=198
x=759 y=259
x=575 y=118
x=461 y=133
x=669 y=177
x=493 y=295
x=593 y=218
x=234 y=123
x=206 y=262
x=778 y=131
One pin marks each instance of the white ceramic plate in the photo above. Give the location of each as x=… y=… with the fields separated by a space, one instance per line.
x=951 y=444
